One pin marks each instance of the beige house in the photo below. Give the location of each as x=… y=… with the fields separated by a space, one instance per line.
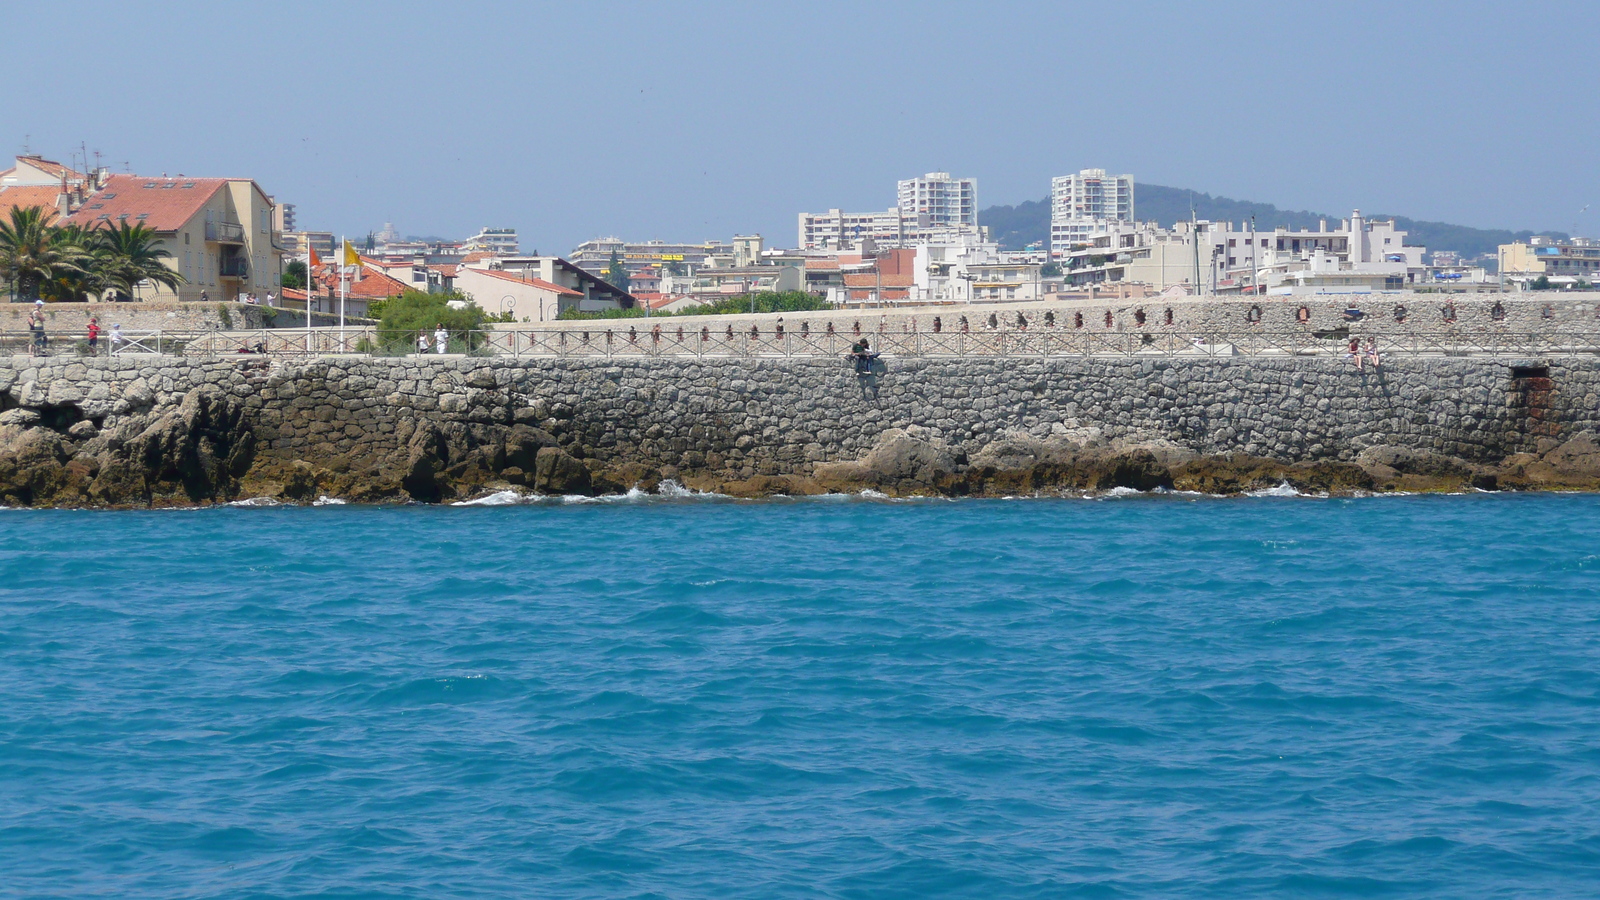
x=528 y=299
x=219 y=231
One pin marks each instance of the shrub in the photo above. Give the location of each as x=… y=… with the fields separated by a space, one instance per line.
x=400 y=319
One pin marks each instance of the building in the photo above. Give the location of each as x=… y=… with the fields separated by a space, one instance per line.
x=1081 y=203
x=588 y=292
x=296 y=243
x=526 y=298
x=218 y=231
x=938 y=199
x=1569 y=263
x=36 y=181
x=932 y=208
x=661 y=257
x=837 y=230
x=974 y=271
x=500 y=241
x=1219 y=257
x=283 y=218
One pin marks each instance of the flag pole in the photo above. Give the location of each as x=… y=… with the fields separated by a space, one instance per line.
x=344 y=249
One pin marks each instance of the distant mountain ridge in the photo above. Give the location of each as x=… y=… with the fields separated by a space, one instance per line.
x=1014 y=227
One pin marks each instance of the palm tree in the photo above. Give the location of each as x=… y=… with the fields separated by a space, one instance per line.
x=79 y=275
x=129 y=255
x=29 y=252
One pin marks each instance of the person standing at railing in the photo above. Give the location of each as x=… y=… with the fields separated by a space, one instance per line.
x=116 y=338
x=94 y=336
x=36 y=346
x=441 y=340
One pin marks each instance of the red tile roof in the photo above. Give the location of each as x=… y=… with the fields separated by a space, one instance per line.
x=477 y=256
x=365 y=283
x=165 y=204
x=48 y=166
x=536 y=282
x=44 y=195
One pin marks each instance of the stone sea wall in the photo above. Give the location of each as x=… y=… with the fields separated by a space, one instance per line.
x=179 y=431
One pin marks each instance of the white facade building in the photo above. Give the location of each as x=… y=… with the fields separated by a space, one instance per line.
x=973 y=270
x=938 y=199
x=499 y=241
x=1082 y=204
x=1220 y=257
x=890 y=229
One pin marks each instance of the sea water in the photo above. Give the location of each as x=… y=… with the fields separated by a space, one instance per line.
x=1130 y=697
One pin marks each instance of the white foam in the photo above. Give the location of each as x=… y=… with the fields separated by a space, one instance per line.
x=1284 y=489
x=325 y=500
x=257 y=501
x=498 y=498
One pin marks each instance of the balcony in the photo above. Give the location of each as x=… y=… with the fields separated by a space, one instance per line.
x=225 y=232
x=233 y=267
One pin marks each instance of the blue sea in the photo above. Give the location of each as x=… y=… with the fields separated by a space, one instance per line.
x=851 y=698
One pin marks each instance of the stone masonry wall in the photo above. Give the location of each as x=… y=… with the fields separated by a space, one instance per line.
x=454 y=425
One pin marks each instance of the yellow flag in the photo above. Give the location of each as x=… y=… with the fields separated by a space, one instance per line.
x=351 y=257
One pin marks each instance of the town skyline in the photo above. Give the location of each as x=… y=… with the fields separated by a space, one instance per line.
x=703 y=124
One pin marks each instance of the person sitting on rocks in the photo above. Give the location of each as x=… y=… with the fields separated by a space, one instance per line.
x=861 y=353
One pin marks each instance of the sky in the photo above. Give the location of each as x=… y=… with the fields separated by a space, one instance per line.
x=696 y=121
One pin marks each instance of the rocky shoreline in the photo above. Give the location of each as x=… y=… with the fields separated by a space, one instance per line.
x=110 y=434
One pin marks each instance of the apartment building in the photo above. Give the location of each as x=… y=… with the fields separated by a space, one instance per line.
x=499 y=241
x=932 y=208
x=1562 y=263
x=938 y=199
x=839 y=230
x=218 y=231
x=1222 y=257
x=1080 y=204
x=660 y=256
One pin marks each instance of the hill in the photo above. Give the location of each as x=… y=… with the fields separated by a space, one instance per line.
x=1017 y=226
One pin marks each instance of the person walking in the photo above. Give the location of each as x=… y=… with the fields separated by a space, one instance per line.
x=94 y=336
x=422 y=341
x=441 y=340
x=116 y=338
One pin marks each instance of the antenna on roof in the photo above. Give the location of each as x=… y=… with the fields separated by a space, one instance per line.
x=26 y=140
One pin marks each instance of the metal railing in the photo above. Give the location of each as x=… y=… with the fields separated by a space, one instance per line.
x=703 y=342
x=226 y=232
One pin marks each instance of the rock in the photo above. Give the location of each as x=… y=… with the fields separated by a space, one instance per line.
x=556 y=472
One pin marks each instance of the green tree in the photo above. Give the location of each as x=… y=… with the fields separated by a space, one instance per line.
x=1542 y=283
x=1050 y=270
x=31 y=254
x=84 y=276
x=616 y=274
x=294 y=275
x=402 y=317
x=129 y=255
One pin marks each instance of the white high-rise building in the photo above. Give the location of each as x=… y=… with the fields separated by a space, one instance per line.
x=1083 y=204
x=938 y=199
